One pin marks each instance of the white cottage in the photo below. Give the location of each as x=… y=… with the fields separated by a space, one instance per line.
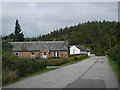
x=76 y=49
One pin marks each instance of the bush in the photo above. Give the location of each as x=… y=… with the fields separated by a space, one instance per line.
x=56 y=62
x=114 y=53
x=59 y=61
x=27 y=66
x=9 y=62
x=14 y=67
x=8 y=76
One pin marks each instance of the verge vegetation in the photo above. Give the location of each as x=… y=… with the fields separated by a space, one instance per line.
x=65 y=61
x=114 y=58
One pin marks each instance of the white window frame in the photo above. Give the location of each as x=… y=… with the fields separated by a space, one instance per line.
x=16 y=52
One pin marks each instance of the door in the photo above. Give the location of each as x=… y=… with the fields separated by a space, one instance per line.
x=56 y=54
x=44 y=55
x=32 y=55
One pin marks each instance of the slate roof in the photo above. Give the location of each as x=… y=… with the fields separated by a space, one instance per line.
x=82 y=48
x=39 y=45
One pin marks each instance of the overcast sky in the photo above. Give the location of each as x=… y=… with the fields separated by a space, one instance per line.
x=41 y=18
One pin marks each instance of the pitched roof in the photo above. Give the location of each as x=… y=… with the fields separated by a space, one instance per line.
x=39 y=45
x=82 y=48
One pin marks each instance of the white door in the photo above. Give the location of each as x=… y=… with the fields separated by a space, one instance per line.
x=44 y=55
x=32 y=55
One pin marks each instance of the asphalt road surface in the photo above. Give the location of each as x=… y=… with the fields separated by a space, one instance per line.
x=94 y=72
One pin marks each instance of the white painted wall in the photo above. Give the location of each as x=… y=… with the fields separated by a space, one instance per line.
x=74 y=50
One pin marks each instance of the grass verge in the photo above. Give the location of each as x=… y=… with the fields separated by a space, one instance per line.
x=33 y=74
x=73 y=62
x=115 y=66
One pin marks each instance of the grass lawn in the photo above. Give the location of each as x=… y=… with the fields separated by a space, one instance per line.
x=33 y=74
x=73 y=62
x=115 y=66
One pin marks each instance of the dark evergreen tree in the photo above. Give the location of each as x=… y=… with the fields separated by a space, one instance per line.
x=19 y=36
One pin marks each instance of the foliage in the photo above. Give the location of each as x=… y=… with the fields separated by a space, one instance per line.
x=9 y=76
x=27 y=66
x=114 y=53
x=56 y=62
x=114 y=58
x=17 y=35
x=60 y=61
x=22 y=67
x=6 y=47
x=98 y=36
x=115 y=66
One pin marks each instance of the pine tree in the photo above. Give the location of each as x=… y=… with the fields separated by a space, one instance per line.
x=19 y=36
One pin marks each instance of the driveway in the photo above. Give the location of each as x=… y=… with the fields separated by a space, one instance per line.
x=94 y=72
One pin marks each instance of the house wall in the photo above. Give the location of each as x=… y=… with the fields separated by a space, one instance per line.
x=27 y=54
x=83 y=52
x=44 y=51
x=61 y=53
x=40 y=54
x=74 y=50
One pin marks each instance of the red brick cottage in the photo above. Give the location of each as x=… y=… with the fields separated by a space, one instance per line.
x=40 y=49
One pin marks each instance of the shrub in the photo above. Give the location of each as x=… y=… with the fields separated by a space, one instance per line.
x=56 y=62
x=8 y=76
x=59 y=61
x=29 y=66
x=39 y=64
x=13 y=67
x=114 y=53
x=24 y=67
x=9 y=62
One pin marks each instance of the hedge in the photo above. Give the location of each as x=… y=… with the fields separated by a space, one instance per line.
x=114 y=53
x=14 y=67
x=59 y=61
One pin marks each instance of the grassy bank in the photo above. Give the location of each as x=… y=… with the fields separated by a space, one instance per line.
x=73 y=62
x=115 y=66
x=30 y=75
x=65 y=61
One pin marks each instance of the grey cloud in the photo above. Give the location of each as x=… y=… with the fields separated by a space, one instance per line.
x=41 y=18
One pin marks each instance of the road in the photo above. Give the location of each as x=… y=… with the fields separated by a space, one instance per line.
x=94 y=72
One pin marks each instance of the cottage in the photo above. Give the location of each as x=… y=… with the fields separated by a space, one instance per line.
x=40 y=49
x=76 y=49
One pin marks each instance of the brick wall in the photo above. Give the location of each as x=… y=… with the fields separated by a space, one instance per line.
x=27 y=54
x=44 y=51
x=39 y=54
x=61 y=53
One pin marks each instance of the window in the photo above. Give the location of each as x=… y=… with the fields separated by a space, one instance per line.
x=16 y=54
x=73 y=51
x=44 y=53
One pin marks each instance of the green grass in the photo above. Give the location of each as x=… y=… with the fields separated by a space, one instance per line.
x=30 y=75
x=73 y=62
x=115 y=66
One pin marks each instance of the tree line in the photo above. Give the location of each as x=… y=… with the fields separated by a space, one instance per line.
x=99 y=36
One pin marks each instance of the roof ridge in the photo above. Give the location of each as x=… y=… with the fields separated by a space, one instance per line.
x=39 y=42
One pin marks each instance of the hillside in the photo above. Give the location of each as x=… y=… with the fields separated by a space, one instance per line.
x=98 y=36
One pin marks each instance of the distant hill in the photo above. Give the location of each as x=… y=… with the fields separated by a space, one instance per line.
x=98 y=36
